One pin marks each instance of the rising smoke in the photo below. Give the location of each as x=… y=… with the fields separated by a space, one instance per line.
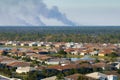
x=28 y=12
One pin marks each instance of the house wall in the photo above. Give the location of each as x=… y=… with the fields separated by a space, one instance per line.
x=101 y=54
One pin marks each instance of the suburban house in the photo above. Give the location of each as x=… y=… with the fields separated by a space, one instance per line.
x=117 y=66
x=57 y=61
x=112 y=77
x=97 y=75
x=75 y=52
x=24 y=69
x=33 y=44
x=83 y=53
x=6 y=60
x=19 y=64
x=58 y=45
x=101 y=76
x=15 y=44
x=94 y=53
x=9 y=43
x=77 y=45
x=2 y=42
x=103 y=66
x=72 y=77
x=76 y=77
x=102 y=54
x=38 y=57
x=105 y=52
x=70 y=44
x=69 y=66
x=24 y=44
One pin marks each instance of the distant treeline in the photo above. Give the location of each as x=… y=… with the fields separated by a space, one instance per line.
x=60 y=34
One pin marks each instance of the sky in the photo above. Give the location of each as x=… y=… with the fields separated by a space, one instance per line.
x=59 y=12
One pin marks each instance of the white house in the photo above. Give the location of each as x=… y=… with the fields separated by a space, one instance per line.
x=94 y=53
x=52 y=62
x=75 y=52
x=24 y=69
x=7 y=61
x=39 y=44
x=33 y=44
x=24 y=44
x=9 y=43
x=14 y=44
x=101 y=76
x=77 y=45
x=57 y=61
x=82 y=53
x=118 y=66
x=97 y=75
x=112 y=77
x=70 y=45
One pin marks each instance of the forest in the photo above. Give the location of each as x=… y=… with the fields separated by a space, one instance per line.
x=95 y=34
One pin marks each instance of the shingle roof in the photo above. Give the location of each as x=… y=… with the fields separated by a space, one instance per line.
x=19 y=64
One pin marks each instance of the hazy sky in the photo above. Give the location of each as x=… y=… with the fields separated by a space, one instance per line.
x=59 y=12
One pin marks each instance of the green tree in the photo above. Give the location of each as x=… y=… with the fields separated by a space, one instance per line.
x=62 y=53
x=113 y=55
x=82 y=78
x=118 y=71
x=60 y=76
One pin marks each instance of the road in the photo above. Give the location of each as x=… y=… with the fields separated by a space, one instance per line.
x=4 y=78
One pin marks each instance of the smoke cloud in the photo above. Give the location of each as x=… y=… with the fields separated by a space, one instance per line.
x=28 y=12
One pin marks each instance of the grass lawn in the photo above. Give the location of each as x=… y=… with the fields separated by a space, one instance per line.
x=97 y=57
x=73 y=56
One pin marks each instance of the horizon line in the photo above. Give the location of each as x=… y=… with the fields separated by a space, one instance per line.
x=68 y=26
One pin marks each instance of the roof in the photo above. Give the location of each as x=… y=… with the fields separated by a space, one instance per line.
x=41 y=67
x=62 y=60
x=50 y=78
x=59 y=67
x=76 y=77
x=96 y=75
x=6 y=60
x=69 y=66
x=25 y=68
x=106 y=51
x=19 y=64
x=39 y=56
x=100 y=64
x=73 y=77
